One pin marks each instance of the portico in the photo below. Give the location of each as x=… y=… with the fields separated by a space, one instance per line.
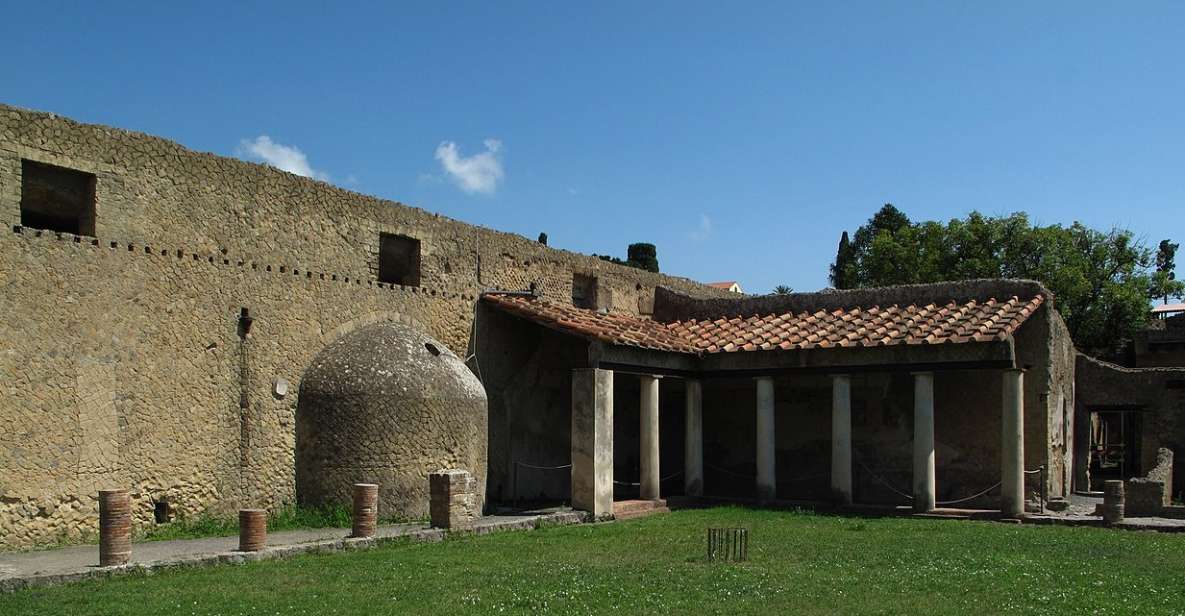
x=779 y=414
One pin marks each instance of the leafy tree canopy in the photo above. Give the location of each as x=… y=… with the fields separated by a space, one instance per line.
x=1102 y=280
x=1164 y=282
x=783 y=290
x=641 y=255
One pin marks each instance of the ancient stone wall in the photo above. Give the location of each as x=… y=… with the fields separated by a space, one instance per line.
x=1046 y=352
x=121 y=353
x=1157 y=393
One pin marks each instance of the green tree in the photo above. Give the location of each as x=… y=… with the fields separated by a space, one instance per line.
x=543 y=238
x=843 y=269
x=642 y=256
x=1165 y=284
x=783 y=290
x=1101 y=280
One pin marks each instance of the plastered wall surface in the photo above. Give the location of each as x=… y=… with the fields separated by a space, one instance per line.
x=121 y=356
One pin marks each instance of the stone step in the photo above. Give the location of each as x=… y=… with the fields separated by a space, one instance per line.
x=625 y=510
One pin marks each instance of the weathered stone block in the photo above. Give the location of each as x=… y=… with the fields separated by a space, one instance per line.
x=1163 y=472
x=454 y=503
x=1145 y=497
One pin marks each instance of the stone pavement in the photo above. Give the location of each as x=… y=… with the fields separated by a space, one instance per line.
x=69 y=564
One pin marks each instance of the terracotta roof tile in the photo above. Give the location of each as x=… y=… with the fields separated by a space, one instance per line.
x=873 y=326
x=612 y=328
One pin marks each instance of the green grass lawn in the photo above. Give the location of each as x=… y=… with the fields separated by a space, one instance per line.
x=798 y=563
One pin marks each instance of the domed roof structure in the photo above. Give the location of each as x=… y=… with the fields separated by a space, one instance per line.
x=387 y=404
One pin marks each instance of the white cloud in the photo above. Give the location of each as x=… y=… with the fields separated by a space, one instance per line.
x=283 y=157
x=704 y=229
x=480 y=173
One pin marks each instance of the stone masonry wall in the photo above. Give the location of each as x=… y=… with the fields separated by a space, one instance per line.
x=121 y=358
x=1157 y=393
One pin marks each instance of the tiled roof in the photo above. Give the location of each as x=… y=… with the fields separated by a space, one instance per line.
x=1166 y=308
x=932 y=324
x=612 y=328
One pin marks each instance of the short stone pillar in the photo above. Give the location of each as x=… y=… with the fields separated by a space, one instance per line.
x=252 y=530
x=115 y=528
x=366 y=509
x=1113 y=496
x=453 y=503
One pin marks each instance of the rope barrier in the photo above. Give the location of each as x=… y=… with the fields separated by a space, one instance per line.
x=728 y=472
x=957 y=501
x=967 y=498
x=883 y=481
x=542 y=468
x=754 y=477
x=630 y=483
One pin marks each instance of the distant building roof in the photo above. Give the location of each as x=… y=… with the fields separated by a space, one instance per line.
x=727 y=285
x=953 y=322
x=1164 y=309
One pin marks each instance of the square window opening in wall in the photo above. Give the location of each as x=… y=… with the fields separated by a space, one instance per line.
x=399 y=260
x=57 y=199
x=584 y=291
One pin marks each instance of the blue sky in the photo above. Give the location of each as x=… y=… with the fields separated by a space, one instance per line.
x=741 y=138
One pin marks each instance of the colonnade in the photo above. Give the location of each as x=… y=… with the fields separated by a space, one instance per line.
x=592 y=434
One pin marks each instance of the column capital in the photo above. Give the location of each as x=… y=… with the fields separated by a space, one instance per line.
x=922 y=373
x=1020 y=370
x=841 y=375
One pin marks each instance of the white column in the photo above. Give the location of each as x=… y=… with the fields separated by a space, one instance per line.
x=592 y=441
x=1012 y=445
x=923 y=441
x=648 y=439
x=767 y=486
x=693 y=448
x=841 y=438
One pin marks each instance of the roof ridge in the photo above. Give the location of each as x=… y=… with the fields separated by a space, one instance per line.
x=974 y=320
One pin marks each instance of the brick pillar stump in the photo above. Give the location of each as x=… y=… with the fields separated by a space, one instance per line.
x=115 y=528
x=252 y=530
x=366 y=509
x=453 y=501
x=1113 y=498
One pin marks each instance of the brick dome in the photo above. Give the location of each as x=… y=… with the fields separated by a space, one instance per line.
x=387 y=404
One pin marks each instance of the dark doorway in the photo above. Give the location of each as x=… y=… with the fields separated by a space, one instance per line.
x=1114 y=446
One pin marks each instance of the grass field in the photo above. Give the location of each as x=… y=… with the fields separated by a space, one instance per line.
x=799 y=563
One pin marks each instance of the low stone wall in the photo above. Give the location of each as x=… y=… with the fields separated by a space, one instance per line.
x=1148 y=496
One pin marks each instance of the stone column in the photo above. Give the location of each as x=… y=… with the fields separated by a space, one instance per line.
x=841 y=438
x=767 y=485
x=592 y=441
x=1012 y=445
x=923 y=441
x=366 y=510
x=693 y=448
x=252 y=530
x=115 y=528
x=648 y=440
